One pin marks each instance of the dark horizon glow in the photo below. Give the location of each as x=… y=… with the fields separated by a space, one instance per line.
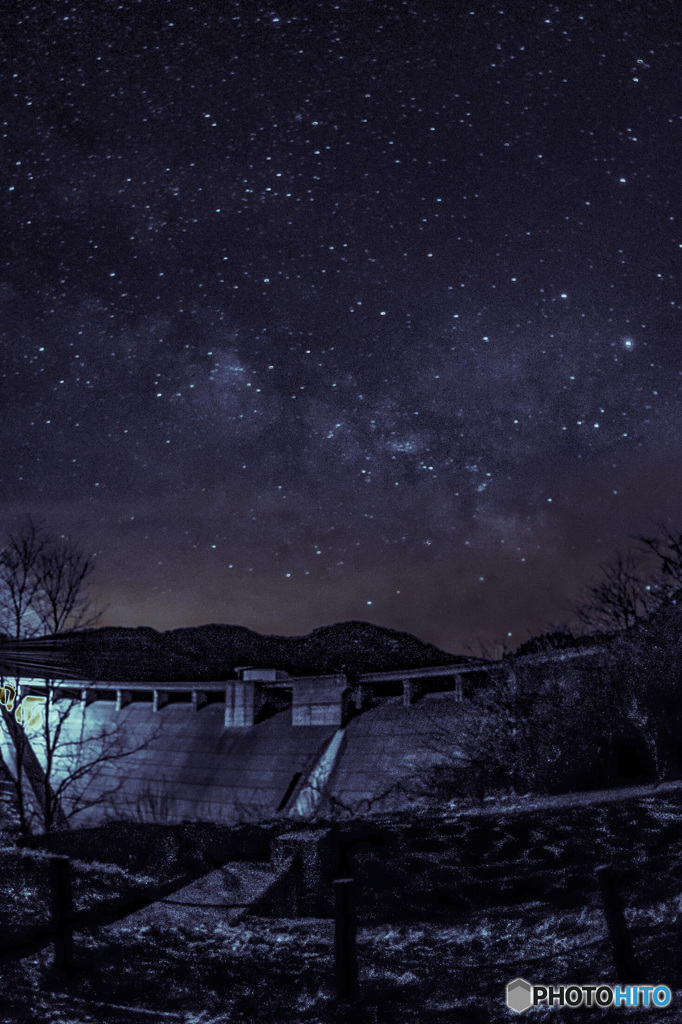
x=342 y=311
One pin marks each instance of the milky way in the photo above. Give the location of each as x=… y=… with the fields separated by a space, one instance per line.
x=355 y=310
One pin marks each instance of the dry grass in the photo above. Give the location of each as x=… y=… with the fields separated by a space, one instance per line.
x=281 y=972
x=480 y=928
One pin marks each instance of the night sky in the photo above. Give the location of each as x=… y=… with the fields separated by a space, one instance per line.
x=324 y=311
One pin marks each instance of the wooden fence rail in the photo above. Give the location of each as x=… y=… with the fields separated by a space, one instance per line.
x=64 y=920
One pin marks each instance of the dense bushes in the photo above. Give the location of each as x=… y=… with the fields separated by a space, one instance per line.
x=611 y=715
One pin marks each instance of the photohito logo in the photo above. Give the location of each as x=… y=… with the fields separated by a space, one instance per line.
x=521 y=995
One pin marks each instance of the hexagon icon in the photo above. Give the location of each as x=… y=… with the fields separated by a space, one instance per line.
x=519 y=995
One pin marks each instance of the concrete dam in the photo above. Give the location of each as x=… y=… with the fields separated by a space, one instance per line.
x=260 y=745
x=258 y=742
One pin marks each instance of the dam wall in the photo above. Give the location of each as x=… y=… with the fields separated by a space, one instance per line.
x=187 y=766
x=177 y=765
x=243 y=749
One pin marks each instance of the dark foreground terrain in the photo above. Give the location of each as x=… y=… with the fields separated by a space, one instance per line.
x=450 y=909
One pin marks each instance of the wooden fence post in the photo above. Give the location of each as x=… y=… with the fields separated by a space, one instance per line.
x=621 y=942
x=62 y=913
x=345 y=927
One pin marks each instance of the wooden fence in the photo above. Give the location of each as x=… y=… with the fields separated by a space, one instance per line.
x=64 y=921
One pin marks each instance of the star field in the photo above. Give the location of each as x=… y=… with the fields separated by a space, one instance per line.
x=354 y=310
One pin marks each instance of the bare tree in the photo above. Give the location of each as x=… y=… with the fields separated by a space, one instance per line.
x=77 y=756
x=54 y=761
x=19 y=580
x=666 y=546
x=19 y=584
x=62 y=599
x=620 y=596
